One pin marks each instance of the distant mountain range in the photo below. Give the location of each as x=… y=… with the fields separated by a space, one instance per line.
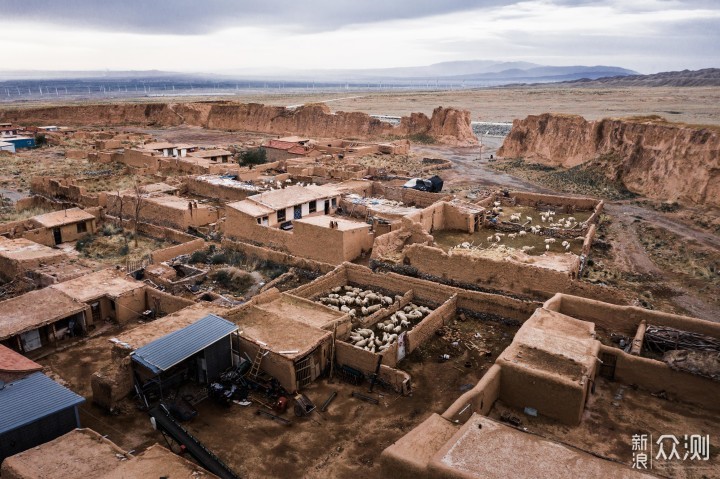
x=470 y=73
x=446 y=75
x=684 y=78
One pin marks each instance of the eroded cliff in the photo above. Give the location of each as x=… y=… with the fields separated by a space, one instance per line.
x=447 y=125
x=651 y=157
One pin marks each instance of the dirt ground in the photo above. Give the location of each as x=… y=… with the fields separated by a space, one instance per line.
x=345 y=441
x=653 y=275
x=615 y=412
x=196 y=135
x=696 y=105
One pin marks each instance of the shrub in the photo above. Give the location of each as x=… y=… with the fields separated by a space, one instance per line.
x=110 y=229
x=40 y=139
x=422 y=138
x=124 y=250
x=218 y=258
x=234 y=279
x=199 y=256
x=255 y=156
x=84 y=242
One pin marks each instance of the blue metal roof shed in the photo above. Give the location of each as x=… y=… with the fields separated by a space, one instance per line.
x=20 y=141
x=168 y=351
x=34 y=410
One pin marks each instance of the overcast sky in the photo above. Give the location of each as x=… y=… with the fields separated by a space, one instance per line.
x=234 y=36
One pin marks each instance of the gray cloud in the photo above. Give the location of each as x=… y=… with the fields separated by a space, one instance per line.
x=192 y=17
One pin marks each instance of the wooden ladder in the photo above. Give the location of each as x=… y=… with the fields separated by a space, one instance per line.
x=255 y=369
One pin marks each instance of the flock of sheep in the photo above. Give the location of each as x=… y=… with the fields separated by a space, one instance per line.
x=545 y=217
x=388 y=330
x=358 y=302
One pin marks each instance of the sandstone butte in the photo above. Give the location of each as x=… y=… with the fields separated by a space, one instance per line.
x=448 y=126
x=660 y=160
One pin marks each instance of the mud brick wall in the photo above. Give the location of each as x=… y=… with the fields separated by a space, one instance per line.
x=575 y=203
x=420 y=291
x=223 y=192
x=480 y=399
x=138 y=159
x=365 y=361
x=168 y=303
x=655 y=376
x=454 y=218
x=277 y=257
x=587 y=243
x=409 y=196
x=336 y=277
x=306 y=240
x=424 y=291
x=279 y=367
x=130 y=305
x=164 y=233
x=40 y=235
x=399 y=380
x=158 y=256
x=497 y=305
x=426 y=328
x=112 y=383
x=625 y=319
x=596 y=214
x=518 y=278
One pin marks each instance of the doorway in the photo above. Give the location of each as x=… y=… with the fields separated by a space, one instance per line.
x=57 y=235
x=95 y=309
x=327 y=207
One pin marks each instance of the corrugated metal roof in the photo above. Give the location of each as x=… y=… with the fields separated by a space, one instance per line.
x=166 y=352
x=31 y=398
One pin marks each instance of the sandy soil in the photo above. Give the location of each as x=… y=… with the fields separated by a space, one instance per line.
x=690 y=104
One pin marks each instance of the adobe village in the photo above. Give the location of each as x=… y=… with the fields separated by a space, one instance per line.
x=218 y=289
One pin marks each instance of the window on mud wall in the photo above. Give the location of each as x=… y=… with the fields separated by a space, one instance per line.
x=313 y=206
x=281 y=215
x=82 y=227
x=259 y=221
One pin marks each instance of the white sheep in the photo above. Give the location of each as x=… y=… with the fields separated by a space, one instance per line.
x=512 y=235
x=547 y=247
x=528 y=219
x=522 y=233
x=549 y=241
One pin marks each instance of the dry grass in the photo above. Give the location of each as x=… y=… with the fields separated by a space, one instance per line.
x=8 y=214
x=117 y=247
